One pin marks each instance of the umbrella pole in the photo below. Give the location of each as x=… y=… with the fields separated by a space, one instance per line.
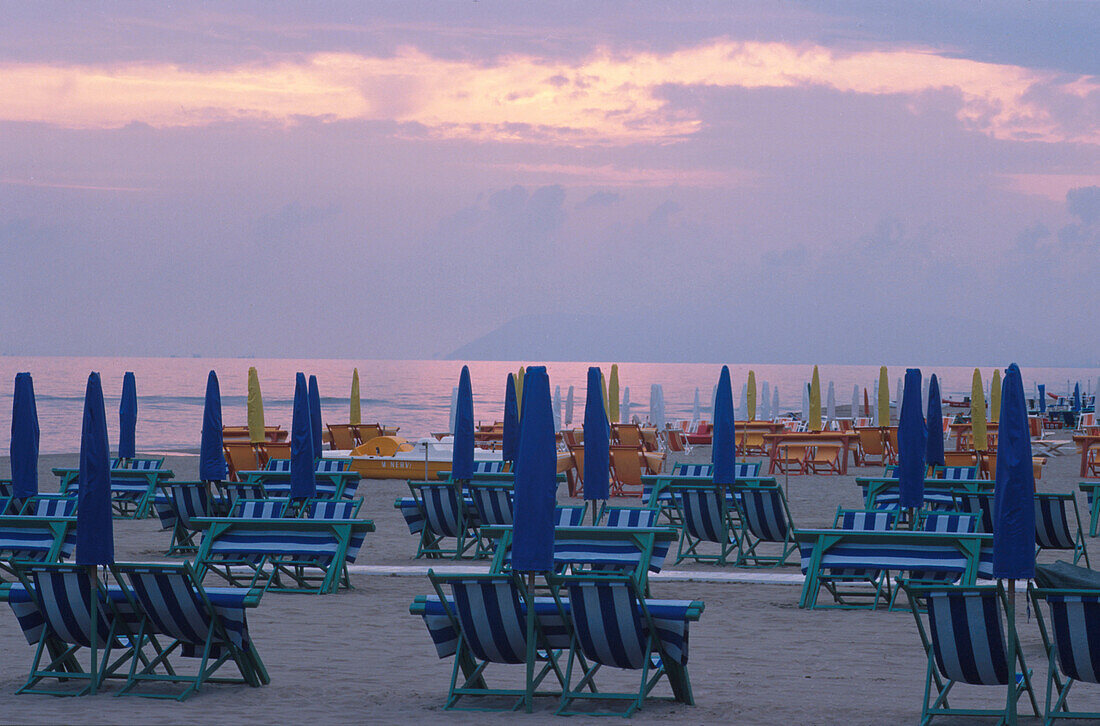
x=1010 y=711
x=529 y=690
x=93 y=671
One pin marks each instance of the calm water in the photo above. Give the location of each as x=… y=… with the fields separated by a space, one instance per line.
x=414 y=395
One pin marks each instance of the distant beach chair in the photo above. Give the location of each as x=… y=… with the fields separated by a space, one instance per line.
x=188 y=500
x=240 y=456
x=1072 y=644
x=626 y=469
x=825 y=459
x=871 y=446
x=494 y=504
x=1054 y=529
x=965 y=641
x=956 y=473
x=341 y=436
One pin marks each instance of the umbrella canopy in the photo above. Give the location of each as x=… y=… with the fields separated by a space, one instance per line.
x=462 y=453
x=933 y=453
x=557 y=408
x=510 y=442
x=24 y=438
x=806 y=403
x=750 y=412
x=724 y=449
x=977 y=413
x=211 y=458
x=775 y=402
x=315 y=416
x=613 y=394
x=624 y=406
x=454 y=410
x=127 y=418
x=1042 y=398
x=95 y=543
x=696 y=409
x=1076 y=396
x=303 y=483
x=830 y=403
x=995 y=397
x=912 y=442
x=255 y=408
x=536 y=482
x=569 y=407
x=883 y=398
x=815 y=402
x=355 y=411
x=1014 y=492
x=765 y=402
x=597 y=433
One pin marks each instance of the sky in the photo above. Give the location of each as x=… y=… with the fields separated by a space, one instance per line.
x=780 y=182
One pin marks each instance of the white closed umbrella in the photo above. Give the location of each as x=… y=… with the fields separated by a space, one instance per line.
x=805 y=403
x=830 y=404
x=624 y=406
x=775 y=402
x=743 y=405
x=765 y=402
x=454 y=410
x=855 y=403
x=874 y=409
x=696 y=413
x=662 y=418
x=557 y=408
x=569 y=407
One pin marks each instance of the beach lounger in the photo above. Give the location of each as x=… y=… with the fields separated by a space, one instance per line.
x=187 y=500
x=1058 y=525
x=206 y=627
x=945 y=522
x=872 y=445
x=483 y=622
x=824 y=460
x=26 y=540
x=1072 y=644
x=837 y=579
x=241 y=456
x=133 y=488
x=439 y=512
x=960 y=458
x=341 y=436
x=980 y=503
x=49 y=505
x=614 y=626
x=955 y=473
x=627 y=467
x=965 y=642
x=494 y=504
x=707 y=516
x=766 y=519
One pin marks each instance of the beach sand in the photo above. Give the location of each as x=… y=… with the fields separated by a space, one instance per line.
x=359 y=657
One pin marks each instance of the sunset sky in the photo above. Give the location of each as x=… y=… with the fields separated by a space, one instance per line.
x=846 y=182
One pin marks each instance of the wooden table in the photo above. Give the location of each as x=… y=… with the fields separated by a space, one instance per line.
x=776 y=441
x=1086 y=442
x=963 y=438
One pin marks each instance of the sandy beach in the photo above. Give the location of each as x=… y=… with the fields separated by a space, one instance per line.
x=359 y=657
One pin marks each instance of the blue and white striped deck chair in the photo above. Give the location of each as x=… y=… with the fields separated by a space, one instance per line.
x=142 y=464
x=682 y=469
x=569 y=516
x=707 y=517
x=956 y=473
x=29 y=540
x=488 y=614
x=326 y=465
x=188 y=500
x=1072 y=645
x=207 y=627
x=1054 y=528
x=765 y=518
x=494 y=504
x=56 y=614
x=49 y=505
x=231 y=491
x=834 y=577
x=966 y=643
x=259 y=508
x=277 y=465
x=445 y=517
x=309 y=556
x=945 y=523
x=890 y=472
x=488 y=467
x=614 y=626
x=980 y=503
x=627 y=517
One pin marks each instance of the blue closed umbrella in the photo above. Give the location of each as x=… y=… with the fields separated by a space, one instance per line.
x=462 y=453
x=912 y=442
x=1042 y=398
x=724 y=449
x=597 y=434
x=211 y=458
x=95 y=543
x=127 y=418
x=511 y=421
x=24 y=439
x=315 y=416
x=303 y=484
x=536 y=481
x=1076 y=397
x=933 y=452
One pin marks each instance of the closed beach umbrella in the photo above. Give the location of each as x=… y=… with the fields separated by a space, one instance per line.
x=355 y=411
x=995 y=397
x=462 y=453
x=95 y=544
x=855 y=403
x=613 y=394
x=1042 y=398
x=696 y=409
x=724 y=449
x=874 y=409
x=750 y=413
x=624 y=407
x=303 y=484
x=211 y=457
x=510 y=442
x=127 y=418
x=557 y=408
x=883 y=398
x=597 y=433
x=830 y=403
x=815 y=402
x=934 y=450
x=1013 y=501
x=742 y=410
x=535 y=480
x=775 y=402
x=805 y=414
x=519 y=389
x=569 y=407
x=901 y=393
x=765 y=402
x=977 y=413
x=866 y=404
x=315 y=416
x=255 y=408
x=454 y=410
x=24 y=439
x=1076 y=397
x=912 y=442
x=660 y=420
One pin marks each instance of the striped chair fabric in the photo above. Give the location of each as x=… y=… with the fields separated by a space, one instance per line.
x=1053 y=529
x=602 y=609
x=568 y=516
x=258 y=508
x=139 y=464
x=328 y=509
x=411 y=512
x=49 y=506
x=492 y=621
x=64 y=604
x=441 y=509
x=763 y=513
x=488 y=467
x=628 y=517
x=33 y=541
x=683 y=469
x=329 y=465
x=956 y=473
x=1076 y=634
x=703 y=515
x=978 y=503
x=494 y=504
x=316 y=547
x=277 y=465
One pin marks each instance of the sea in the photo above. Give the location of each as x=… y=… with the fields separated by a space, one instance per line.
x=412 y=394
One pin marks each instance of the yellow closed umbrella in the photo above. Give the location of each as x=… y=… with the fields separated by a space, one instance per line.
x=883 y=397
x=995 y=397
x=519 y=389
x=815 y=402
x=752 y=396
x=355 y=415
x=255 y=408
x=977 y=414
x=613 y=393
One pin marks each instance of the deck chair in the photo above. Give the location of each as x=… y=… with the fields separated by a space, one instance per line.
x=956 y=473
x=707 y=517
x=835 y=579
x=753 y=444
x=791 y=459
x=871 y=446
x=627 y=435
x=445 y=517
x=824 y=460
x=948 y=522
x=965 y=641
x=576 y=474
x=488 y=616
x=650 y=439
x=677 y=443
x=240 y=456
x=960 y=458
x=614 y=626
x=569 y=516
x=627 y=517
x=365 y=432
x=207 y=629
x=188 y=499
x=980 y=503
x=1072 y=644
x=626 y=470
x=275 y=450
x=49 y=505
x=890 y=437
x=61 y=618
x=1054 y=528
x=494 y=504
x=766 y=519
x=341 y=436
